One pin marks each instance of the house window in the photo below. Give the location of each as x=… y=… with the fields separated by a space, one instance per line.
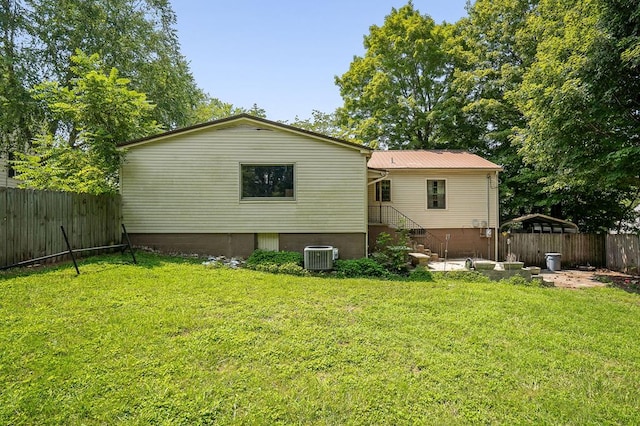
x=436 y=194
x=383 y=190
x=267 y=181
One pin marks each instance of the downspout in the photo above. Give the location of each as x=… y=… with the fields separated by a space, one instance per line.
x=384 y=174
x=488 y=235
x=497 y=214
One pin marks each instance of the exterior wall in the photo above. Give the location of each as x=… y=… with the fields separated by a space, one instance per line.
x=5 y=180
x=350 y=246
x=462 y=242
x=468 y=210
x=206 y=244
x=466 y=198
x=467 y=242
x=190 y=184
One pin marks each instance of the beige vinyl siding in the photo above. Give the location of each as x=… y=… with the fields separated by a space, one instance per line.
x=191 y=183
x=466 y=198
x=5 y=180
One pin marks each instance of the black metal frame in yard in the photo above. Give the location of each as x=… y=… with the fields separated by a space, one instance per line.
x=70 y=251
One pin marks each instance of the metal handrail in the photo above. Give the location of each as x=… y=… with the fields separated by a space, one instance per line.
x=389 y=215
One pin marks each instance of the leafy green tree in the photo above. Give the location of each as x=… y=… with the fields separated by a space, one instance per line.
x=214 y=109
x=322 y=123
x=390 y=93
x=96 y=112
x=39 y=37
x=582 y=129
x=18 y=112
x=491 y=50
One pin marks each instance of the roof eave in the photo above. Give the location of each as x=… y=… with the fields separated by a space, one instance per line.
x=461 y=169
x=242 y=117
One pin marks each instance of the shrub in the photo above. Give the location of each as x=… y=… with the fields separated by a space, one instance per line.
x=420 y=274
x=468 y=276
x=279 y=258
x=265 y=267
x=286 y=268
x=360 y=268
x=392 y=254
x=517 y=280
x=293 y=269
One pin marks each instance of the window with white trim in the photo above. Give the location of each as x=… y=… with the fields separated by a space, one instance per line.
x=383 y=190
x=436 y=194
x=267 y=182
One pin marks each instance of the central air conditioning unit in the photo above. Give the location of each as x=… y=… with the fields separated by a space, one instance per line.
x=318 y=258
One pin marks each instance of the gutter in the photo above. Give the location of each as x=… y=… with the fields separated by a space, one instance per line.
x=384 y=174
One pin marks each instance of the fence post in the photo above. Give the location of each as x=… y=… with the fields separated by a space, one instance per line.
x=66 y=240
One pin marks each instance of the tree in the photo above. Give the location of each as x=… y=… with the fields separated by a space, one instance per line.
x=390 y=93
x=214 y=109
x=96 y=112
x=18 y=113
x=580 y=101
x=39 y=37
x=322 y=123
x=491 y=50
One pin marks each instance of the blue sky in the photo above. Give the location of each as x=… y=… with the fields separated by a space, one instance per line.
x=282 y=54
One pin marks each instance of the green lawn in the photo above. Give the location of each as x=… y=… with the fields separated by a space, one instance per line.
x=169 y=341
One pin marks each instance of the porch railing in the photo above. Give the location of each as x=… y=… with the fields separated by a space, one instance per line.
x=390 y=216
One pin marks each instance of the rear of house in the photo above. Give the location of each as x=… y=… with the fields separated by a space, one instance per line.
x=448 y=198
x=7 y=174
x=238 y=184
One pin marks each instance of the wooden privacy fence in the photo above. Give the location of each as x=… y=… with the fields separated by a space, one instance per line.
x=623 y=253
x=30 y=222
x=576 y=249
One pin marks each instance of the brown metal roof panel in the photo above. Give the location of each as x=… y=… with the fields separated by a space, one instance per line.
x=431 y=159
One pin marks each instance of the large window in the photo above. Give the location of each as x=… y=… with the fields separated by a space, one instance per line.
x=267 y=181
x=383 y=190
x=436 y=194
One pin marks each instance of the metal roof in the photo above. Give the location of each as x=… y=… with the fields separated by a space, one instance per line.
x=429 y=159
x=541 y=223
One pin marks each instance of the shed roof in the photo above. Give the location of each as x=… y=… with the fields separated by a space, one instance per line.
x=541 y=223
x=240 y=119
x=430 y=159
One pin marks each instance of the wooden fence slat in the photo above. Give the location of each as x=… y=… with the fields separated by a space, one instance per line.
x=30 y=222
x=12 y=202
x=616 y=252
x=576 y=249
x=3 y=226
x=623 y=253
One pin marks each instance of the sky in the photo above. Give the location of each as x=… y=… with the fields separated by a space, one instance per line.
x=283 y=55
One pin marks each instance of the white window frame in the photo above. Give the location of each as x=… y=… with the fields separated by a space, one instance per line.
x=267 y=199
x=377 y=196
x=446 y=194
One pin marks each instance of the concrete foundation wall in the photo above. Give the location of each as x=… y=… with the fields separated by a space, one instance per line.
x=230 y=245
x=466 y=242
x=350 y=246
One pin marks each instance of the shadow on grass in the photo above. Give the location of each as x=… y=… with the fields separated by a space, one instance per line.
x=628 y=283
x=144 y=260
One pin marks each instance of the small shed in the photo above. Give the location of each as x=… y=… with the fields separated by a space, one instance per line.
x=539 y=223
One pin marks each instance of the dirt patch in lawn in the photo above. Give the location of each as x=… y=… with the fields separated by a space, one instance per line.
x=572 y=278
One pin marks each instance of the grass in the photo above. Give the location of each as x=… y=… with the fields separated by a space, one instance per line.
x=172 y=342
